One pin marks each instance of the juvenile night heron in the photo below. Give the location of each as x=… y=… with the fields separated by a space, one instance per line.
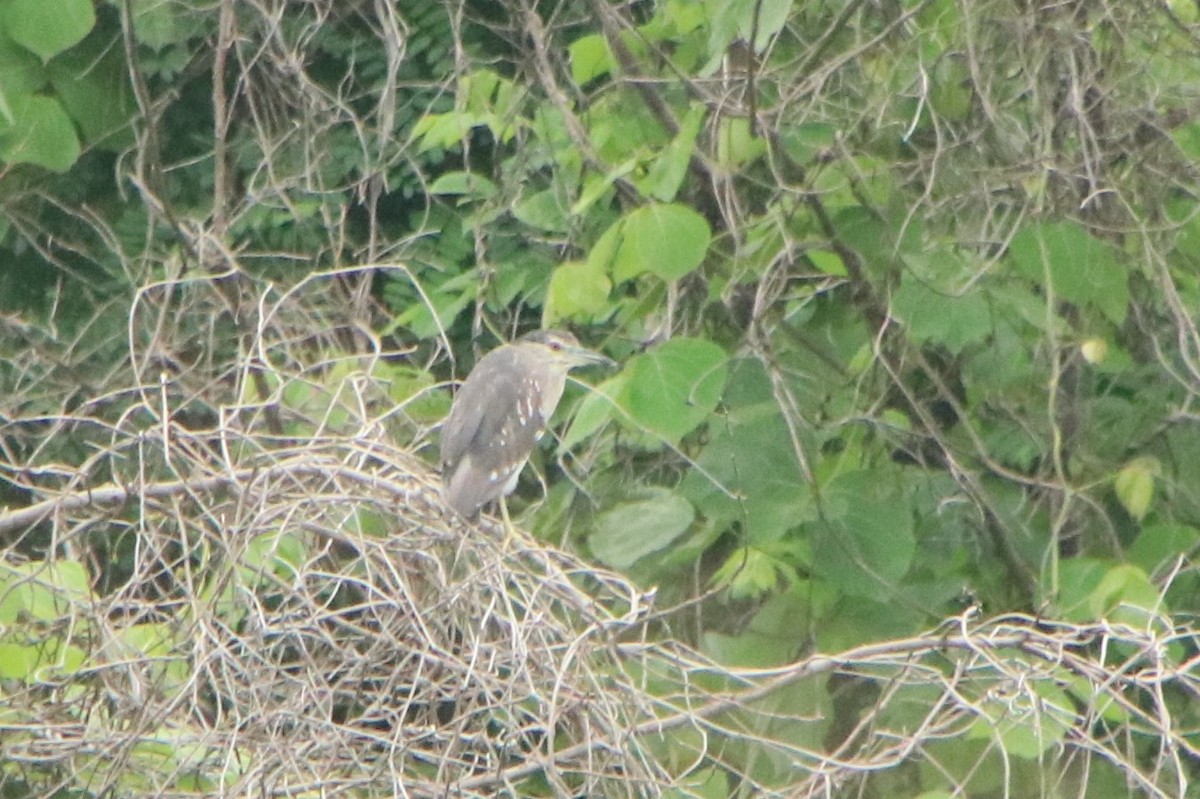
x=499 y=414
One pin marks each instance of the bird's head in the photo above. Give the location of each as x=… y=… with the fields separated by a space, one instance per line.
x=562 y=350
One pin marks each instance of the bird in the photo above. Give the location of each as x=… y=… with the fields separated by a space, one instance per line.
x=499 y=414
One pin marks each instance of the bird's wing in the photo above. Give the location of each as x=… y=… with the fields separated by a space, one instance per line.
x=487 y=426
x=486 y=442
x=462 y=425
x=503 y=441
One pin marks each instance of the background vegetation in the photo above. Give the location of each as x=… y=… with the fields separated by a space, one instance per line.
x=896 y=492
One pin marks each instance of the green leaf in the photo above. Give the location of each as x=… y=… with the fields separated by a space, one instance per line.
x=590 y=58
x=463 y=183
x=726 y=20
x=671 y=389
x=603 y=253
x=68 y=659
x=666 y=240
x=1159 y=545
x=542 y=210
x=413 y=391
x=443 y=130
x=1028 y=723
x=595 y=186
x=828 y=262
x=1079 y=268
x=280 y=554
x=855 y=620
x=669 y=169
x=951 y=93
x=748 y=573
x=746 y=650
x=804 y=143
x=1134 y=485
x=1077 y=579
x=736 y=143
x=47 y=27
x=1125 y=595
x=754 y=21
x=93 y=86
x=68 y=577
x=1015 y=300
x=595 y=411
x=868 y=544
x=748 y=471
x=953 y=322
x=41 y=134
x=448 y=300
x=153 y=639
x=577 y=289
x=17 y=662
x=632 y=530
x=1187 y=137
x=708 y=783
x=42 y=590
x=868 y=234
x=157 y=24
x=21 y=72
x=765 y=24
x=480 y=89
x=1097 y=699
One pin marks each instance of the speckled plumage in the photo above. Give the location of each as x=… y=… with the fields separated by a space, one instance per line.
x=500 y=412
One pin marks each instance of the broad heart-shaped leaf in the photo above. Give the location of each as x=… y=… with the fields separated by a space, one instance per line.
x=47 y=27
x=666 y=240
x=41 y=133
x=867 y=544
x=1080 y=268
x=632 y=530
x=576 y=289
x=674 y=387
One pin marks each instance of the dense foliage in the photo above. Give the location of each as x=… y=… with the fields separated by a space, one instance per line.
x=904 y=295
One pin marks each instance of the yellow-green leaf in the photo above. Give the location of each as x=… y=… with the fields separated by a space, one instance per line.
x=668 y=240
x=577 y=289
x=1134 y=485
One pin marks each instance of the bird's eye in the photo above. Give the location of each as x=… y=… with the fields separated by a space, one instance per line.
x=555 y=345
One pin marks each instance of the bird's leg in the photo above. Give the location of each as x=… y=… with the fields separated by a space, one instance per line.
x=510 y=532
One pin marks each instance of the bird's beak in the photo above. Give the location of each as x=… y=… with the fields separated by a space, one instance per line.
x=584 y=357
